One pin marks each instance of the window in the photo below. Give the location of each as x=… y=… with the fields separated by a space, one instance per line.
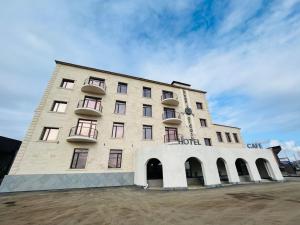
x=66 y=83
x=49 y=134
x=120 y=107
x=203 y=123
x=171 y=134
x=79 y=158
x=207 y=141
x=219 y=135
x=146 y=92
x=118 y=130
x=228 y=137
x=96 y=81
x=115 y=158
x=236 y=138
x=147 y=132
x=167 y=94
x=199 y=105
x=122 y=88
x=86 y=128
x=169 y=113
x=147 y=110
x=59 y=106
x=92 y=103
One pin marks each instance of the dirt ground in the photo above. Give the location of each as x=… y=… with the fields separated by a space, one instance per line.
x=262 y=204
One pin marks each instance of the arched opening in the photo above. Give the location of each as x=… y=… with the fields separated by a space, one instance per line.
x=263 y=169
x=222 y=170
x=193 y=171
x=241 y=167
x=154 y=173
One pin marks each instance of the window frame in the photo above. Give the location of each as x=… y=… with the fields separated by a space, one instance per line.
x=145 y=127
x=209 y=141
x=144 y=110
x=119 y=153
x=236 y=138
x=203 y=120
x=199 y=104
x=114 y=131
x=44 y=131
x=148 y=89
x=117 y=107
x=119 y=88
x=86 y=151
x=219 y=136
x=58 y=102
x=67 y=81
x=228 y=137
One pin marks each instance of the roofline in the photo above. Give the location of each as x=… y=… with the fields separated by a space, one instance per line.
x=177 y=82
x=225 y=126
x=125 y=75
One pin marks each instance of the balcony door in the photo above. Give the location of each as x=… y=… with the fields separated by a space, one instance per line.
x=92 y=102
x=96 y=81
x=167 y=94
x=86 y=128
x=169 y=113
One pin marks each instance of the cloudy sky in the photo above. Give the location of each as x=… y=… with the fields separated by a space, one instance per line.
x=245 y=54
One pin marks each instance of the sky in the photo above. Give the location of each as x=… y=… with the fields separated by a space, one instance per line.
x=245 y=54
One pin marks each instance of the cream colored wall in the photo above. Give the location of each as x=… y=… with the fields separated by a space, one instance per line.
x=40 y=157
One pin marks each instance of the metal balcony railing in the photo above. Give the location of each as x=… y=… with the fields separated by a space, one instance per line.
x=171 y=115
x=95 y=82
x=90 y=104
x=84 y=131
x=169 y=95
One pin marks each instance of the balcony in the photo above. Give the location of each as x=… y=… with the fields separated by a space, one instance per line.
x=94 y=86
x=169 y=99
x=83 y=134
x=172 y=138
x=89 y=108
x=172 y=118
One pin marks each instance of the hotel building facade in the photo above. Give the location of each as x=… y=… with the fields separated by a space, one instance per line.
x=95 y=128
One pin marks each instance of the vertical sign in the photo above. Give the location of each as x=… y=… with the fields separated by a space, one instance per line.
x=188 y=112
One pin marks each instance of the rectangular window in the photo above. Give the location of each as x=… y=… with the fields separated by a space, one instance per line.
x=122 y=88
x=167 y=94
x=79 y=158
x=146 y=92
x=59 y=106
x=67 y=83
x=203 y=123
x=86 y=128
x=115 y=158
x=96 y=81
x=171 y=134
x=49 y=134
x=120 y=107
x=169 y=113
x=228 y=137
x=236 y=138
x=219 y=136
x=199 y=105
x=207 y=141
x=118 y=130
x=147 y=110
x=147 y=132
x=91 y=102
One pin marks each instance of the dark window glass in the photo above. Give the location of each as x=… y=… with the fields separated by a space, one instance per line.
x=171 y=134
x=122 y=88
x=86 y=128
x=236 y=139
x=92 y=102
x=147 y=132
x=219 y=135
x=49 y=134
x=120 y=107
x=146 y=92
x=203 y=123
x=118 y=130
x=199 y=105
x=66 y=83
x=228 y=137
x=207 y=141
x=115 y=159
x=59 y=106
x=147 y=110
x=79 y=159
x=167 y=94
x=169 y=113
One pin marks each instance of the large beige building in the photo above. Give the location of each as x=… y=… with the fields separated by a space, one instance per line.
x=97 y=128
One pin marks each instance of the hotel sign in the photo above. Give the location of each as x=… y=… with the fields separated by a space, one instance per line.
x=191 y=141
x=188 y=112
x=254 y=145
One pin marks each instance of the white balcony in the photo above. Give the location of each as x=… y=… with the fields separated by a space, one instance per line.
x=94 y=87
x=89 y=108
x=173 y=118
x=170 y=99
x=83 y=134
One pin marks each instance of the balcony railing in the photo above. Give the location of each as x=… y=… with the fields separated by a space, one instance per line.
x=169 y=99
x=172 y=137
x=171 y=115
x=90 y=104
x=94 y=86
x=84 y=131
x=94 y=82
x=169 y=95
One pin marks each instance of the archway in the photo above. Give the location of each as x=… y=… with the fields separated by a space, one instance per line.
x=264 y=169
x=154 y=173
x=222 y=170
x=194 y=173
x=241 y=167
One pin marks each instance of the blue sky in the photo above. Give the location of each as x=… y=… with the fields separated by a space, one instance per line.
x=245 y=54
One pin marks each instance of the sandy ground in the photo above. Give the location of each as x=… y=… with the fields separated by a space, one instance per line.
x=270 y=203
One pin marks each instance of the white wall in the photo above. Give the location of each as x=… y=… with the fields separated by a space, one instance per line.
x=173 y=157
